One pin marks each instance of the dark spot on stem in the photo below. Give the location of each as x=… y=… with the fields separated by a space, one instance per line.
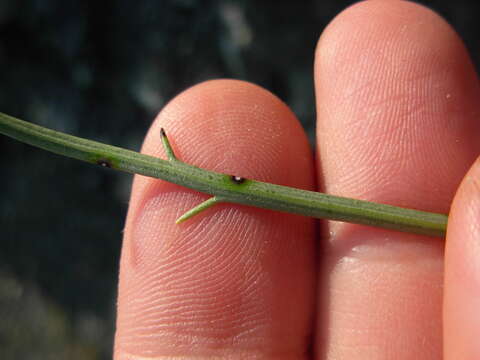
x=162 y=132
x=237 y=179
x=104 y=163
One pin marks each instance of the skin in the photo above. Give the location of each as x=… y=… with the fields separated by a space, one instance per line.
x=398 y=110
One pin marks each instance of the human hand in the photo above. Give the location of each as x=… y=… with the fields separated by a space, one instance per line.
x=397 y=122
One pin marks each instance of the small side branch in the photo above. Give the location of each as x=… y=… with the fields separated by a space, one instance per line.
x=166 y=145
x=198 y=209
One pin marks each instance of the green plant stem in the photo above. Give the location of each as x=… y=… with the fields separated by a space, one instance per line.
x=226 y=188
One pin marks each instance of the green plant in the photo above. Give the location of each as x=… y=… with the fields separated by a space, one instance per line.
x=226 y=188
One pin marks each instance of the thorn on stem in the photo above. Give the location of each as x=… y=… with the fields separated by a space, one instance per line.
x=166 y=145
x=198 y=209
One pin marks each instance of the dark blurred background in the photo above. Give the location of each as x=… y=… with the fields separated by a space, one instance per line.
x=103 y=70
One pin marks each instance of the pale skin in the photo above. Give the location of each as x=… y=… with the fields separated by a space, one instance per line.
x=397 y=122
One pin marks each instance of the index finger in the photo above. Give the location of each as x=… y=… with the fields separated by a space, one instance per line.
x=234 y=281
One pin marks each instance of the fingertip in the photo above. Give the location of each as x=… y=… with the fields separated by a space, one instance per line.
x=370 y=22
x=217 y=285
x=228 y=126
x=229 y=112
x=394 y=85
x=462 y=271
